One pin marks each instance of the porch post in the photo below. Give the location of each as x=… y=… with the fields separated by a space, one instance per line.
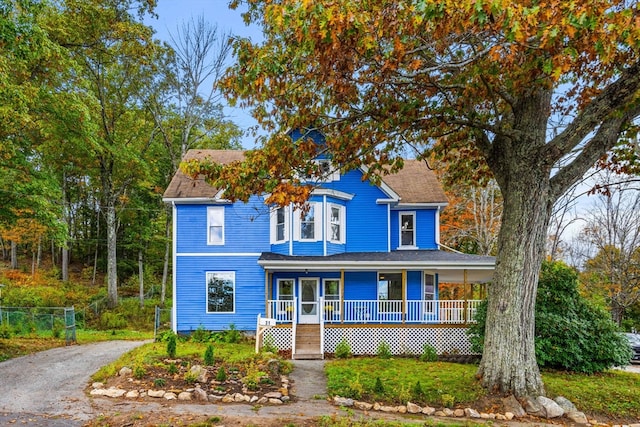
x=466 y=297
x=341 y=296
x=404 y=296
x=266 y=295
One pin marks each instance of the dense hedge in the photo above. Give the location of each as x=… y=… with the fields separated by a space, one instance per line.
x=571 y=333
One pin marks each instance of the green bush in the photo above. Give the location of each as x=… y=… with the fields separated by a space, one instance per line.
x=112 y=320
x=343 y=349
x=571 y=333
x=429 y=353
x=269 y=344
x=5 y=331
x=221 y=376
x=171 y=346
x=200 y=335
x=209 y=360
x=232 y=335
x=378 y=388
x=384 y=350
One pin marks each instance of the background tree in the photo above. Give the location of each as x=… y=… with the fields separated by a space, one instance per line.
x=612 y=236
x=480 y=77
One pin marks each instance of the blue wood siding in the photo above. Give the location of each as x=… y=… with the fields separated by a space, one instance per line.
x=246 y=228
x=414 y=285
x=366 y=220
x=191 y=295
x=425 y=228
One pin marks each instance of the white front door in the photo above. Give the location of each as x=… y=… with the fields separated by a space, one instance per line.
x=309 y=296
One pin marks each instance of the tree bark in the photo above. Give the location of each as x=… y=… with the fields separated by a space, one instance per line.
x=112 y=270
x=141 y=277
x=167 y=255
x=14 y=255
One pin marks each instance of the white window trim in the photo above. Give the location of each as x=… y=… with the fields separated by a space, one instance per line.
x=233 y=273
x=324 y=294
x=400 y=215
x=317 y=223
x=210 y=210
x=342 y=223
x=274 y=223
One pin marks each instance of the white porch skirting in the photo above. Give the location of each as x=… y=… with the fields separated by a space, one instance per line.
x=402 y=340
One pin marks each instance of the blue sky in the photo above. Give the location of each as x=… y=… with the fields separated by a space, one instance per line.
x=171 y=15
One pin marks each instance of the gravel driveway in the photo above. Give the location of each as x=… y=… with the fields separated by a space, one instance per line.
x=47 y=388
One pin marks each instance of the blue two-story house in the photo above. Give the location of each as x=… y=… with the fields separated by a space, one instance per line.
x=363 y=263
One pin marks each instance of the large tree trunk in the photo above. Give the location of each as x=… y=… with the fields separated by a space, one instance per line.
x=112 y=270
x=14 y=255
x=64 y=263
x=508 y=363
x=141 y=277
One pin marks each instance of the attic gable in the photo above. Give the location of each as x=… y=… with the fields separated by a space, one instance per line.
x=415 y=183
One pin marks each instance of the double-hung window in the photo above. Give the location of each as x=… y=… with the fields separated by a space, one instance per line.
x=280 y=225
x=308 y=223
x=221 y=289
x=336 y=223
x=429 y=295
x=215 y=225
x=408 y=229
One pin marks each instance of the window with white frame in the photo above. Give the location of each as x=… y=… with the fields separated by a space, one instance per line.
x=336 y=225
x=221 y=288
x=331 y=289
x=215 y=225
x=285 y=289
x=429 y=287
x=308 y=222
x=407 y=229
x=280 y=225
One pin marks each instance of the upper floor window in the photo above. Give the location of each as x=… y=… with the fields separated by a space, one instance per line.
x=308 y=222
x=221 y=288
x=280 y=225
x=215 y=225
x=336 y=225
x=326 y=170
x=408 y=229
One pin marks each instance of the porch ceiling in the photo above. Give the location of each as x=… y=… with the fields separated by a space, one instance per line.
x=450 y=266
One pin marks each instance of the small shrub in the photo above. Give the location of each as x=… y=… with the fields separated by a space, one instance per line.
x=221 y=376
x=171 y=346
x=200 y=335
x=57 y=329
x=233 y=335
x=5 y=331
x=190 y=377
x=378 y=388
x=110 y=320
x=447 y=400
x=429 y=353
x=384 y=350
x=159 y=382
x=417 y=391
x=172 y=368
x=209 y=360
x=269 y=344
x=343 y=349
x=356 y=389
x=139 y=372
x=253 y=377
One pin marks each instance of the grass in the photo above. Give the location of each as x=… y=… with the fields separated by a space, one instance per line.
x=21 y=345
x=612 y=395
x=440 y=382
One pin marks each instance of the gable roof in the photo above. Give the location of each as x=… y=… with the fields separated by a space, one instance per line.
x=415 y=183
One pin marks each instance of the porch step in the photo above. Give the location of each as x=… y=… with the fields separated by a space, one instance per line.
x=307 y=343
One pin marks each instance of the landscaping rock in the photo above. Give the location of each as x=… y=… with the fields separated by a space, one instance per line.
x=273 y=395
x=551 y=408
x=412 y=408
x=125 y=371
x=342 y=401
x=263 y=400
x=471 y=413
x=200 y=372
x=97 y=385
x=511 y=405
x=200 y=395
x=428 y=410
x=109 y=392
x=577 y=417
x=274 y=401
x=565 y=404
x=156 y=393
x=132 y=394
x=170 y=396
x=458 y=413
x=363 y=406
x=533 y=407
x=185 y=395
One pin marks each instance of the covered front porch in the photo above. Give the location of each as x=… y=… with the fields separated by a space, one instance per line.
x=395 y=297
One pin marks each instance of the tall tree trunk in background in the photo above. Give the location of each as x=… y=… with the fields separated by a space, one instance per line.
x=141 y=277
x=64 y=263
x=14 y=255
x=167 y=255
x=112 y=259
x=39 y=254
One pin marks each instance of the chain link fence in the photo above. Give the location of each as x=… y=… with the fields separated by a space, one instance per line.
x=30 y=320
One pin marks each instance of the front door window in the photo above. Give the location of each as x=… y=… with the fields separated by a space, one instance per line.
x=309 y=300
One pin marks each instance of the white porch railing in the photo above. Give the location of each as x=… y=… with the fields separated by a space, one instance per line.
x=380 y=311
